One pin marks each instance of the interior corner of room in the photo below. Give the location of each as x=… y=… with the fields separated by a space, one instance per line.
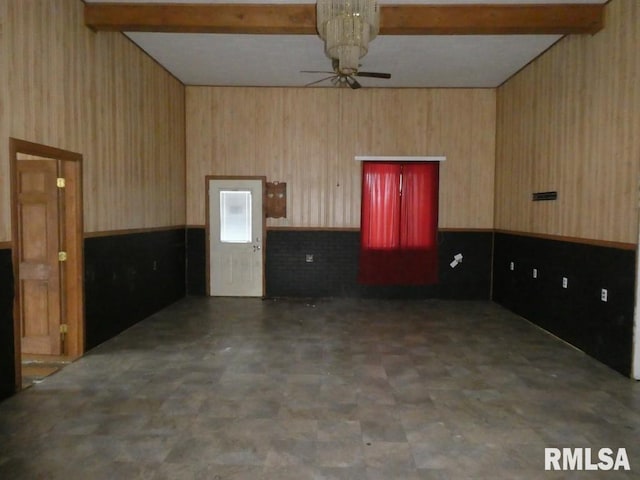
x=150 y=132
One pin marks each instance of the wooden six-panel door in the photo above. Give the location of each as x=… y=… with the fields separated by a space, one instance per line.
x=38 y=229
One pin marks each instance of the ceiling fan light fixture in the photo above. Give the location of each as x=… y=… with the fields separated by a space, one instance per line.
x=347 y=27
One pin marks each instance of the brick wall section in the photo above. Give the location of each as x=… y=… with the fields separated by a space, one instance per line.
x=196 y=261
x=129 y=277
x=334 y=271
x=335 y=266
x=576 y=314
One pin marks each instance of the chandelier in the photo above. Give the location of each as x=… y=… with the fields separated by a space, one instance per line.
x=347 y=26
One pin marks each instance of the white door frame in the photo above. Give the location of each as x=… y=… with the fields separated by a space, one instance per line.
x=263 y=179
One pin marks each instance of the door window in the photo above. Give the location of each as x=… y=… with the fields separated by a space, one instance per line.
x=235 y=216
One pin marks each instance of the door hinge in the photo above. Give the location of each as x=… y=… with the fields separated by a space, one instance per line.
x=62 y=256
x=63 y=328
x=61 y=182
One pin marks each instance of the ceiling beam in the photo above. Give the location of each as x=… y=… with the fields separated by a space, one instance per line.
x=301 y=18
x=202 y=18
x=514 y=19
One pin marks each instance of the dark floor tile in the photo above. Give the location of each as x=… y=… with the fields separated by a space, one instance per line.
x=222 y=389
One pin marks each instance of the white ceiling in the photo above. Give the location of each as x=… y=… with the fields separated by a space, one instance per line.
x=276 y=60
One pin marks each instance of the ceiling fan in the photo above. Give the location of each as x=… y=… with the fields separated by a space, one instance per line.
x=343 y=78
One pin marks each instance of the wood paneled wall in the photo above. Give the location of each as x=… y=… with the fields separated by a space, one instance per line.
x=99 y=95
x=309 y=137
x=571 y=122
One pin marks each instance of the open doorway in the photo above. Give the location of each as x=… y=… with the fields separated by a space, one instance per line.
x=47 y=237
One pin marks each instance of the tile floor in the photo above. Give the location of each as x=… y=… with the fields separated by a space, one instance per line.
x=223 y=389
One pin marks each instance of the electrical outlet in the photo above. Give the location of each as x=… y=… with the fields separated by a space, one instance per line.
x=604 y=295
x=535 y=273
x=512 y=266
x=565 y=282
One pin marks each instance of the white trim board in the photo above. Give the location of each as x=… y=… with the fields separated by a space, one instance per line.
x=365 y=158
x=635 y=355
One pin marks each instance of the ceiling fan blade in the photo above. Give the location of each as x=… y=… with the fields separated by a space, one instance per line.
x=316 y=71
x=373 y=75
x=336 y=81
x=353 y=83
x=318 y=81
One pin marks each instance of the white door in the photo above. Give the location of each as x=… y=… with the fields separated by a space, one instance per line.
x=235 y=238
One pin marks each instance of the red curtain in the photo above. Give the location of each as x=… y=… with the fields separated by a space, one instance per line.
x=419 y=205
x=381 y=213
x=399 y=224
